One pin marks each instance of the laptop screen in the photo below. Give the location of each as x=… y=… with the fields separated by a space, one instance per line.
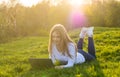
x=41 y=63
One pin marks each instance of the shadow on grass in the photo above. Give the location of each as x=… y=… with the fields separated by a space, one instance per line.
x=50 y=73
x=89 y=69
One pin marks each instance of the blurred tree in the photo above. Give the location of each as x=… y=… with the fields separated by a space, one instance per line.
x=17 y=20
x=112 y=16
x=8 y=20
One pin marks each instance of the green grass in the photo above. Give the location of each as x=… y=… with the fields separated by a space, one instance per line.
x=14 y=56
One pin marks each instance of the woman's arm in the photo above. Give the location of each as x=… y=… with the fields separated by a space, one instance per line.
x=71 y=60
x=52 y=58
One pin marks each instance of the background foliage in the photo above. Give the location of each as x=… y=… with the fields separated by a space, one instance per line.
x=37 y=20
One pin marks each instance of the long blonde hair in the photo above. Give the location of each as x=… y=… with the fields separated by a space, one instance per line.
x=65 y=39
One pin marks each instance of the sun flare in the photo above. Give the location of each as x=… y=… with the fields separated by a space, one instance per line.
x=77 y=2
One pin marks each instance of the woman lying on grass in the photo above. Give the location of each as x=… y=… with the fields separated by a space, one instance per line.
x=62 y=50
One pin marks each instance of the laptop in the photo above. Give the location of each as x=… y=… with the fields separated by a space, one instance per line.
x=41 y=63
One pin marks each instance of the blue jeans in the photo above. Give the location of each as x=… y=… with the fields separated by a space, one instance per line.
x=91 y=49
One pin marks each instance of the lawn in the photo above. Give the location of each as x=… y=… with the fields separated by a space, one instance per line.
x=14 y=56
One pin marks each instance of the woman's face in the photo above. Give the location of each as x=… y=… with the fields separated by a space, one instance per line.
x=56 y=37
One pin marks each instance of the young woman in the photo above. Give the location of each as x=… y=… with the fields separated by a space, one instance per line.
x=63 y=50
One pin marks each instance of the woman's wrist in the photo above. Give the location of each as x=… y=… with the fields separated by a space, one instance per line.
x=59 y=67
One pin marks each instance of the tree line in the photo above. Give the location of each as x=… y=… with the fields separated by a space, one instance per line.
x=19 y=21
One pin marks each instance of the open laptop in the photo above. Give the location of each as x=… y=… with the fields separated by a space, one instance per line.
x=41 y=63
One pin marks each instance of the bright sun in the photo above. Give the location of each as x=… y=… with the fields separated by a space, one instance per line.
x=77 y=2
x=29 y=3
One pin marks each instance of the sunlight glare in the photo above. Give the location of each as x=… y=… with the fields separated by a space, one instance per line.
x=76 y=2
x=77 y=19
x=4 y=1
x=29 y=3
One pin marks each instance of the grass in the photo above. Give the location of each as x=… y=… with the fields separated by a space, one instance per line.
x=14 y=56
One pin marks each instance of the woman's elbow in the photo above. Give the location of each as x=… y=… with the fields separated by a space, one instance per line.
x=68 y=65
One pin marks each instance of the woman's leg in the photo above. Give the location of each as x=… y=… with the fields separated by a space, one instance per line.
x=81 y=35
x=87 y=56
x=80 y=43
x=91 y=47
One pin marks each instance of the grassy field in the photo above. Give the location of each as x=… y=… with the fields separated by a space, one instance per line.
x=14 y=56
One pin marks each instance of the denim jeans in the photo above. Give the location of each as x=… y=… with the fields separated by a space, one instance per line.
x=90 y=55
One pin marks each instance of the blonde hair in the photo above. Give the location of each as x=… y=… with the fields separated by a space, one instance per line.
x=65 y=39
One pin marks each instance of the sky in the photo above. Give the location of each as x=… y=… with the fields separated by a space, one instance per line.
x=29 y=3
x=26 y=3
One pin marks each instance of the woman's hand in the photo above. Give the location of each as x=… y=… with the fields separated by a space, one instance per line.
x=57 y=63
x=59 y=67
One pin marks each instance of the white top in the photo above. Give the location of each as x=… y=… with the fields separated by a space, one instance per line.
x=76 y=59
